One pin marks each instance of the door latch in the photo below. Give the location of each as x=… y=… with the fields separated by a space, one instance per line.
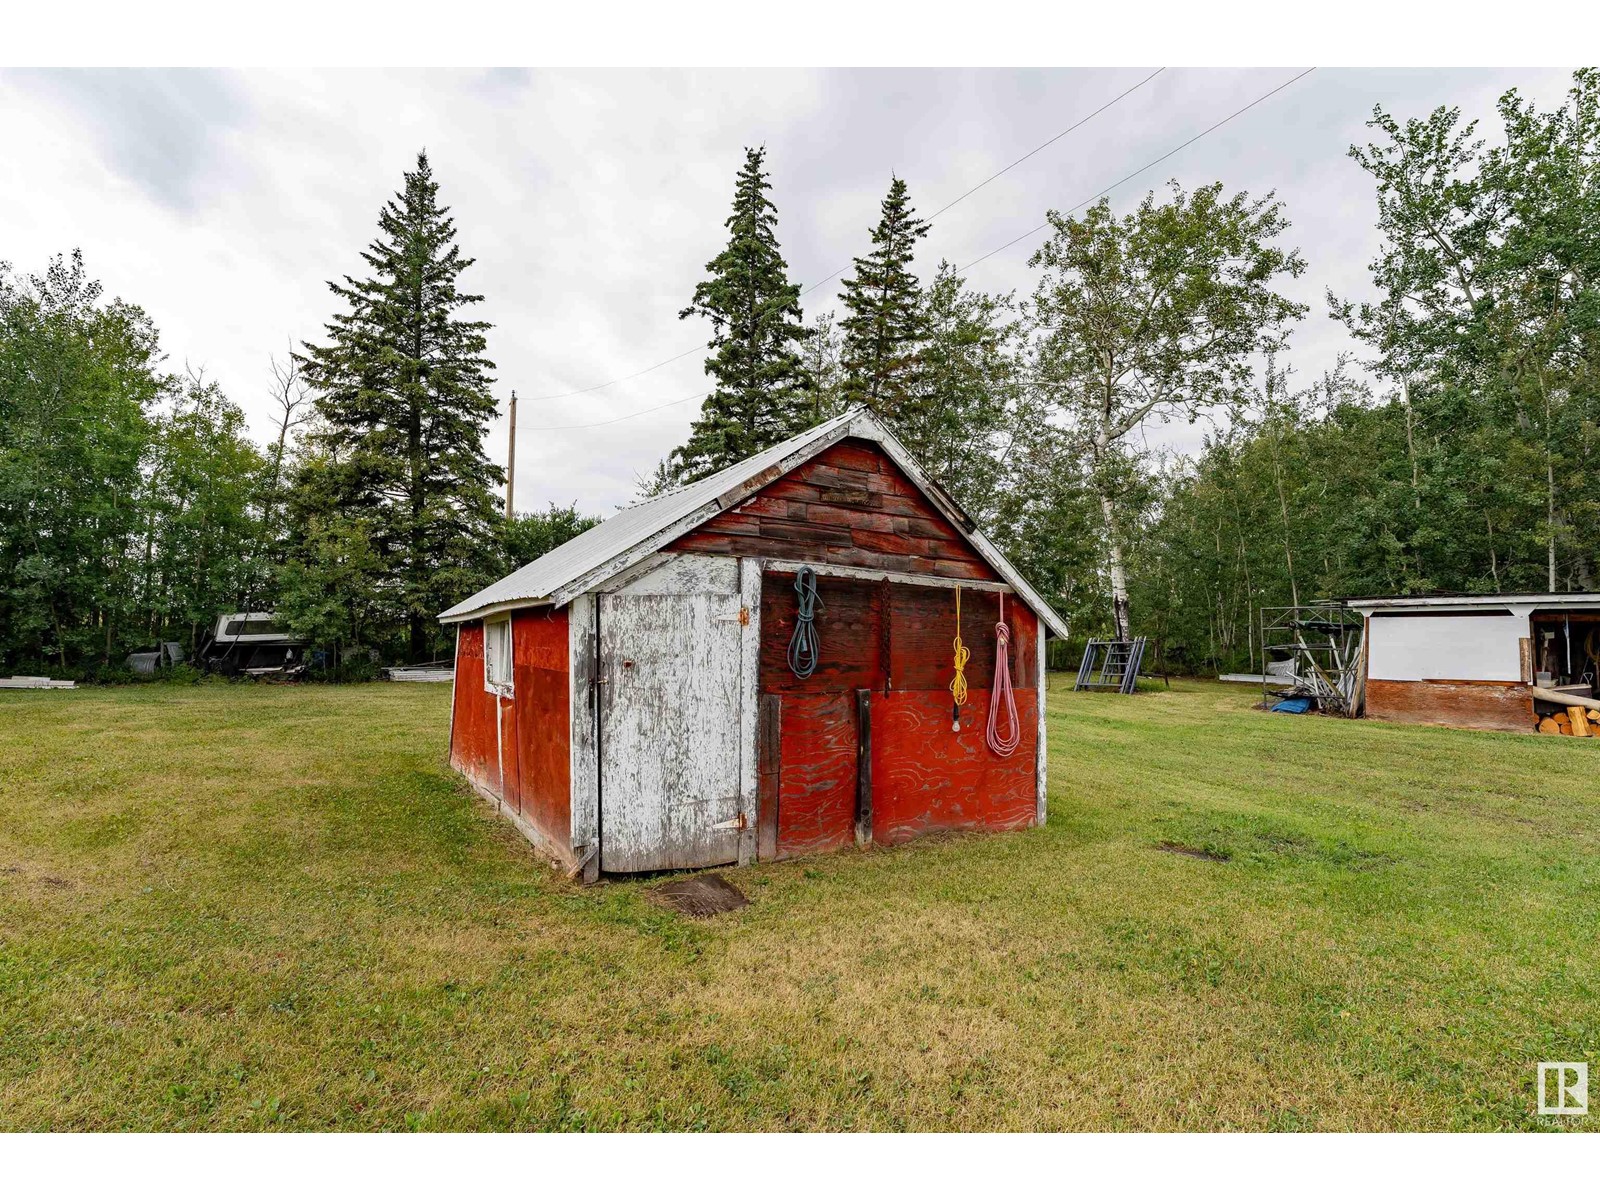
x=735 y=823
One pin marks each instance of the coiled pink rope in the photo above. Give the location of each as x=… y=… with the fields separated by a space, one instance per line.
x=1000 y=696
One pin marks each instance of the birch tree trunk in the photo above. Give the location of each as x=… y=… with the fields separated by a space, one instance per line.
x=1119 y=574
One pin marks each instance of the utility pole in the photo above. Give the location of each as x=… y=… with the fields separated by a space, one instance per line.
x=511 y=460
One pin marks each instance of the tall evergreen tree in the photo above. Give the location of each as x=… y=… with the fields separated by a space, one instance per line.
x=885 y=322
x=761 y=393
x=959 y=419
x=403 y=397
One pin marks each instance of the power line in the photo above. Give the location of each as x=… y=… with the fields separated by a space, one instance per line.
x=1146 y=167
x=599 y=386
x=1051 y=142
x=700 y=395
x=696 y=349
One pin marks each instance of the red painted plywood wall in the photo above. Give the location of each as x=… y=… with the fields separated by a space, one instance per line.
x=895 y=639
x=474 y=740
x=850 y=506
x=542 y=736
x=526 y=760
x=926 y=777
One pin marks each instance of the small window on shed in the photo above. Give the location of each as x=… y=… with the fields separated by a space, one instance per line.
x=497 y=656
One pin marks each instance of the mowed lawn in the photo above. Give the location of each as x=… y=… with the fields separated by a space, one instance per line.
x=247 y=907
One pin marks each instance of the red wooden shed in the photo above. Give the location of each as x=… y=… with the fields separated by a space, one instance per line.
x=628 y=702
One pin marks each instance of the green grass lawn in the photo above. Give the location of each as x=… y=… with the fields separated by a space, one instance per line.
x=228 y=907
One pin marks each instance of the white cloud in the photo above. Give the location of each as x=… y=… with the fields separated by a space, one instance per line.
x=223 y=202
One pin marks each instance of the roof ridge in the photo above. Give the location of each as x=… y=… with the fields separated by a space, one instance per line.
x=629 y=534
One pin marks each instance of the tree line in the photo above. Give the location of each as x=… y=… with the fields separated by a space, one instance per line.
x=1453 y=449
x=135 y=509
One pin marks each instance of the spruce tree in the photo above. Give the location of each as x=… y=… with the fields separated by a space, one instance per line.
x=403 y=396
x=761 y=393
x=884 y=324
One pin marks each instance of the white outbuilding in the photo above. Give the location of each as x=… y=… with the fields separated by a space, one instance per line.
x=1480 y=661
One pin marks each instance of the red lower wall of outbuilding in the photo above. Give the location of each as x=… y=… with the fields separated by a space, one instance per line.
x=895 y=640
x=543 y=733
x=926 y=777
x=474 y=740
x=518 y=748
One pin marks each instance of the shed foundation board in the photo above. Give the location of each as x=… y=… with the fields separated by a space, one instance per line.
x=1488 y=705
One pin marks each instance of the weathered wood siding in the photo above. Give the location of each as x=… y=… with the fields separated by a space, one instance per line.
x=671 y=648
x=474 y=738
x=893 y=639
x=849 y=506
x=816 y=773
x=1503 y=706
x=541 y=738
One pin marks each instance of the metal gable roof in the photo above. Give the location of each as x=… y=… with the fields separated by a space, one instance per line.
x=595 y=555
x=1472 y=600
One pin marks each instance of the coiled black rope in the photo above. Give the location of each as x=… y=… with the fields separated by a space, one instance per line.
x=804 y=648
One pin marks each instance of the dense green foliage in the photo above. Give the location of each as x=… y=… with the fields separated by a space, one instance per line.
x=134 y=507
x=125 y=492
x=1454 y=449
x=760 y=397
x=403 y=401
x=1157 y=314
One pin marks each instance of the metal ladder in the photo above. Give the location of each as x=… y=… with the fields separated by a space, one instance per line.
x=1109 y=663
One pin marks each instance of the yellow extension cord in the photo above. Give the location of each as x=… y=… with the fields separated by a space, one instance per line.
x=958 y=685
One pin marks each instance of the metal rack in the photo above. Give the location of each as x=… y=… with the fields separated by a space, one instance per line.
x=1324 y=644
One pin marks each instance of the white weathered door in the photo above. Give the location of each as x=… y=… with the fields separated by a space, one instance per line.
x=669 y=729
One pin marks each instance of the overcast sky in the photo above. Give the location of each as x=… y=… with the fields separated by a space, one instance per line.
x=222 y=202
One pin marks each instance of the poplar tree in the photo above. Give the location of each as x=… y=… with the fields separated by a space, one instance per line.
x=885 y=325
x=1151 y=316
x=403 y=400
x=761 y=393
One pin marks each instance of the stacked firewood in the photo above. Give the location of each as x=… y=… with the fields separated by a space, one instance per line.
x=1577 y=721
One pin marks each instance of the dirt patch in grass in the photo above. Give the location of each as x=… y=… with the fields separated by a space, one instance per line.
x=699 y=896
x=1194 y=851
